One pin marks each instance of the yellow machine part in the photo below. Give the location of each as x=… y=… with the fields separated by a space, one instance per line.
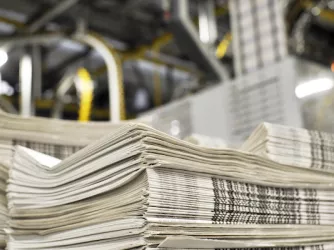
x=223 y=46
x=85 y=85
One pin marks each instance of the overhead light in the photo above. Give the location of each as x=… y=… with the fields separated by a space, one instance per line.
x=314 y=86
x=3 y=57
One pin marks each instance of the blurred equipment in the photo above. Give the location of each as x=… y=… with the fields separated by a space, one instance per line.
x=197 y=46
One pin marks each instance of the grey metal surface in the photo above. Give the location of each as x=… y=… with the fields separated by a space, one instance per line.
x=174 y=119
x=58 y=9
x=209 y=116
x=202 y=113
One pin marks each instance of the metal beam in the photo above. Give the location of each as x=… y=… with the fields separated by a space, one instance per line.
x=188 y=40
x=22 y=40
x=50 y=14
x=173 y=61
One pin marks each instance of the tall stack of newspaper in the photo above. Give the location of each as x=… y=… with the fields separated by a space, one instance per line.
x=139 y=188
x=53 y=137
x=293 y=146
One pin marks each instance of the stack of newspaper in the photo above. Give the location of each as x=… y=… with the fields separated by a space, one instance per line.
x=54 y=137
x=293 y=146
x=139 y=188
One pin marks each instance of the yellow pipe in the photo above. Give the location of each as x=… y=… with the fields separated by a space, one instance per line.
x=85 y=85
x=223 y=46
x=139 y=53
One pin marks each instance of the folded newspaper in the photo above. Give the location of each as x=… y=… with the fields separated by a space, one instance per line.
x=139 y=188
x=54 y=137
x=293 y=146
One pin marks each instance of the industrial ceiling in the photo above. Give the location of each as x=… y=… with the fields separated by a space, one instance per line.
x=133 y=26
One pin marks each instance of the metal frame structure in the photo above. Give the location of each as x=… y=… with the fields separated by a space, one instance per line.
x=188 y=40
x=62 y=16
x=114 y=74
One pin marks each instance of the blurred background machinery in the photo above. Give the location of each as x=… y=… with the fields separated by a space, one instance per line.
x=212 y=67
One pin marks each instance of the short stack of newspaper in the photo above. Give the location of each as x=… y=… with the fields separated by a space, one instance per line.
x=141 y=189
x=293 y=146
x=54 y=137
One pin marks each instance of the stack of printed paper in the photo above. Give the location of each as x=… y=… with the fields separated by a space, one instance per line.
x=293 y=146
x=139 y=188
x=53 y=137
